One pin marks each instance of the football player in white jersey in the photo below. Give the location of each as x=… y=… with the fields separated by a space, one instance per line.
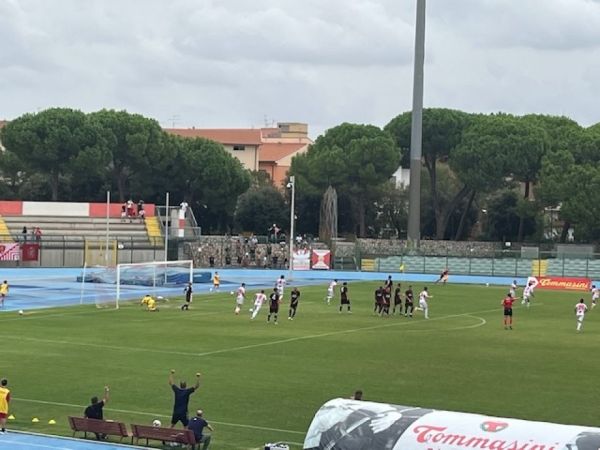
x=240 y=296
x=423 y=305
x=533 y=282
x=595 y=295
x=331 y=291
x=580 y=310
x=259 y=299
x=280 y=285
x=527 y=294
x=513 y=288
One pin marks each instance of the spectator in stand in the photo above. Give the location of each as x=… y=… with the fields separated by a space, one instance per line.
x=38 y=234
x=130 y=210
x=140 y=210
x=183 y=206
x=95 y=410
x=197 y=425
x=24 y=234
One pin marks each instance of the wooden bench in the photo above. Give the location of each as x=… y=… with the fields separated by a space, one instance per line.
x=147 y=432
x=101 y=427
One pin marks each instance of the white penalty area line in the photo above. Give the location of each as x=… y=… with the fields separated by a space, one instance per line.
x=156 y=415
x=262 y=344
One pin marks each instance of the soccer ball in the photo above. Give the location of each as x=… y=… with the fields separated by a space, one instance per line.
x=210 y=289
x=21 y=312
x=487 y=284
x=156 y=423
x=231 y=292
x=251 y=310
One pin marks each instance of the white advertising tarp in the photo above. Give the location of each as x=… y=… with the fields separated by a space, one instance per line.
x=353 y=425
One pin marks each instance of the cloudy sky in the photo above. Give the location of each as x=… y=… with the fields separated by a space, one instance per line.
x=241 y=63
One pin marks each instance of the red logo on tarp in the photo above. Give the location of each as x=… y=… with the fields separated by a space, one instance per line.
x=493 y=427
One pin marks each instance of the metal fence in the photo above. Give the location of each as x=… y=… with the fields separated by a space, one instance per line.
x=500 y=263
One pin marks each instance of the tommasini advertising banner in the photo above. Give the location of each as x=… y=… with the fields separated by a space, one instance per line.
x=565 y=283
x=357 y=425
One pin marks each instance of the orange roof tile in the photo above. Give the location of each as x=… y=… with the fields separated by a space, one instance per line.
x=223 y=135
x=276 y=151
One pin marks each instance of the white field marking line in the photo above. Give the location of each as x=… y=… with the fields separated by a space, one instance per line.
x=126 y=411
x=110 y=347
x=245 y=347
x=335 y=333
x=38 y=314
x=481 y=322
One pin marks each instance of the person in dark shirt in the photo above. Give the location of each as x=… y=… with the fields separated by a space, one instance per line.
x=295 y=298
x=387 y=300
x=398 y=299
x=95 y=411
x=188 y=290
x=408 y=302
x=274 y=305
x=389 y=284
x=197 y=425
x=344 y=299
x=378 y=300
x=182 y=398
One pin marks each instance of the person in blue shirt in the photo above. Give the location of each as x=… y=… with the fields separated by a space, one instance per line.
x=197 y=425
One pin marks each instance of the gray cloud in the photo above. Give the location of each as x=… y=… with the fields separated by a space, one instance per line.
x=232 y=63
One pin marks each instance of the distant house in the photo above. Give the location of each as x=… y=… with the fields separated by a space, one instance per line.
x=266 y=149
x=242 y=143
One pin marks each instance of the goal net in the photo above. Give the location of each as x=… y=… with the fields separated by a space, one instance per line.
x=110 y=285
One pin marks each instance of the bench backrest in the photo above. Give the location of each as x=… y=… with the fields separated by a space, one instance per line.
x=163 y=434
x=98 y=426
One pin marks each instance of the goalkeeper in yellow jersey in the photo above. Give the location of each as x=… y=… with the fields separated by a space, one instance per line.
x=149 y=302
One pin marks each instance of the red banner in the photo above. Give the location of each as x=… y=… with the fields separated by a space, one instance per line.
x=321 y=259
x=10 y=252
x=30 y=252
x=565 y=283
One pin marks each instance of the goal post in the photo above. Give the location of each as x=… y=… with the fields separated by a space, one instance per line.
x=136 y=279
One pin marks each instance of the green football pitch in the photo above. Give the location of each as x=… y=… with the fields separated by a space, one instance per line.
x=264 y=382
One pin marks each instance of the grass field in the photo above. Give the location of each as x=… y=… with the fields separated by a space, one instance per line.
x=263 y=383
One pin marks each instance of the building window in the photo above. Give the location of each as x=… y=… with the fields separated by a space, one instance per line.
x=239 y=147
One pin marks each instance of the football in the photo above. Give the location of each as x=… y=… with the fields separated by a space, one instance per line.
x=231 y=292
x=156 y=423
x=21 y=312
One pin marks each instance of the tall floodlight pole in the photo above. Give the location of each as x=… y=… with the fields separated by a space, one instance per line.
x=107 y=227
x=166 y=226
x=292 y=186
x=416 y=135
